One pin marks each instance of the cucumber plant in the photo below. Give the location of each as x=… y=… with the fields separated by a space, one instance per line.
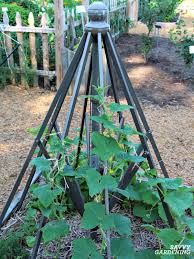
x=115 y=149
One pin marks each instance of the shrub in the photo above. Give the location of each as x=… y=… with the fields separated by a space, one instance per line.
x=24 y=10
x=182 y=39
x=146 y=45
x=156 y=10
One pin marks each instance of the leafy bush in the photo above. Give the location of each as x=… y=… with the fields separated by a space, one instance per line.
x=183 y=40
x=146 y=45
x=157 y=10
x=23 y=8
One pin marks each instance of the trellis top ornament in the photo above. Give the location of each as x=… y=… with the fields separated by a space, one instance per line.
x=97 y=13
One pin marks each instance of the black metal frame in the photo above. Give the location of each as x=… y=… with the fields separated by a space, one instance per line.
x=95 y=77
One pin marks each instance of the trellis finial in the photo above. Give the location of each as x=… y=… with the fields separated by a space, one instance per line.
x=97 y=13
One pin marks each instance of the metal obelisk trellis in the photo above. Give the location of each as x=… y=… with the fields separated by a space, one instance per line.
x=97 y=35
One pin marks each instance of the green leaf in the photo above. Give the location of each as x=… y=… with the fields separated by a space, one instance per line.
x=179 y=201
x=105 y=147
x=125 y=193
x=48 y=212
x=116 y=107
x=30 y=240
x=92 y=97
x=55 y=145
x=167 y=183
x=54 y=230
x=169 y=236
x=131 y=158
x=149 y=197
x=34 y=131
x=122 y=224
x=148 y=215
x=121 y=247
x=107 y=222
x=31 y=213
x=68 y=171
x=85 y=248
x=127 y=130
x=93 y=178
x=46 y=194
x=105 y=121
x=135 y=159
x=41 y=163
x=93 y=215
x=108 y=182
x=133 y=194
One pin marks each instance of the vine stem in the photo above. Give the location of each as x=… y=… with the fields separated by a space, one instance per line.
x=107 y=213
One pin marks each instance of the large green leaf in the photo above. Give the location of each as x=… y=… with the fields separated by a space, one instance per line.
x=125 y=193
x=105 y=147
x=179 y=201
x=169 y=236
x=121 y=247
x=93 y=215
x=133 y=194
x=167 y=183
x=69 y=171
x=107 y=222
x=85 y=248
x=135 y=159
x=149 y=197
x=93 y=178
x=122 y=224
x=46 y=194
x=146 y=213
x=41 y=163
x=108 y=182
x=97 y=182
x=54 y=230
x=104 y=119
x=116 y=107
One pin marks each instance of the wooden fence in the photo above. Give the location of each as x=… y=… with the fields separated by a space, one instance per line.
x=26 y=64
x=28 y=61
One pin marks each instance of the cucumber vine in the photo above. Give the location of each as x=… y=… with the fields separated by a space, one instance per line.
x=113 y=146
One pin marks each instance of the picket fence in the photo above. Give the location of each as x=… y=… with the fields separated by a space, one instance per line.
x=46 y=75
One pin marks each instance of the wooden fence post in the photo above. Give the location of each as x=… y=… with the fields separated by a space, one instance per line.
x=32 y=41
x=8 y=44
x=21 y=52
x=132 y=10
x=59 y=39
x=45 y=48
